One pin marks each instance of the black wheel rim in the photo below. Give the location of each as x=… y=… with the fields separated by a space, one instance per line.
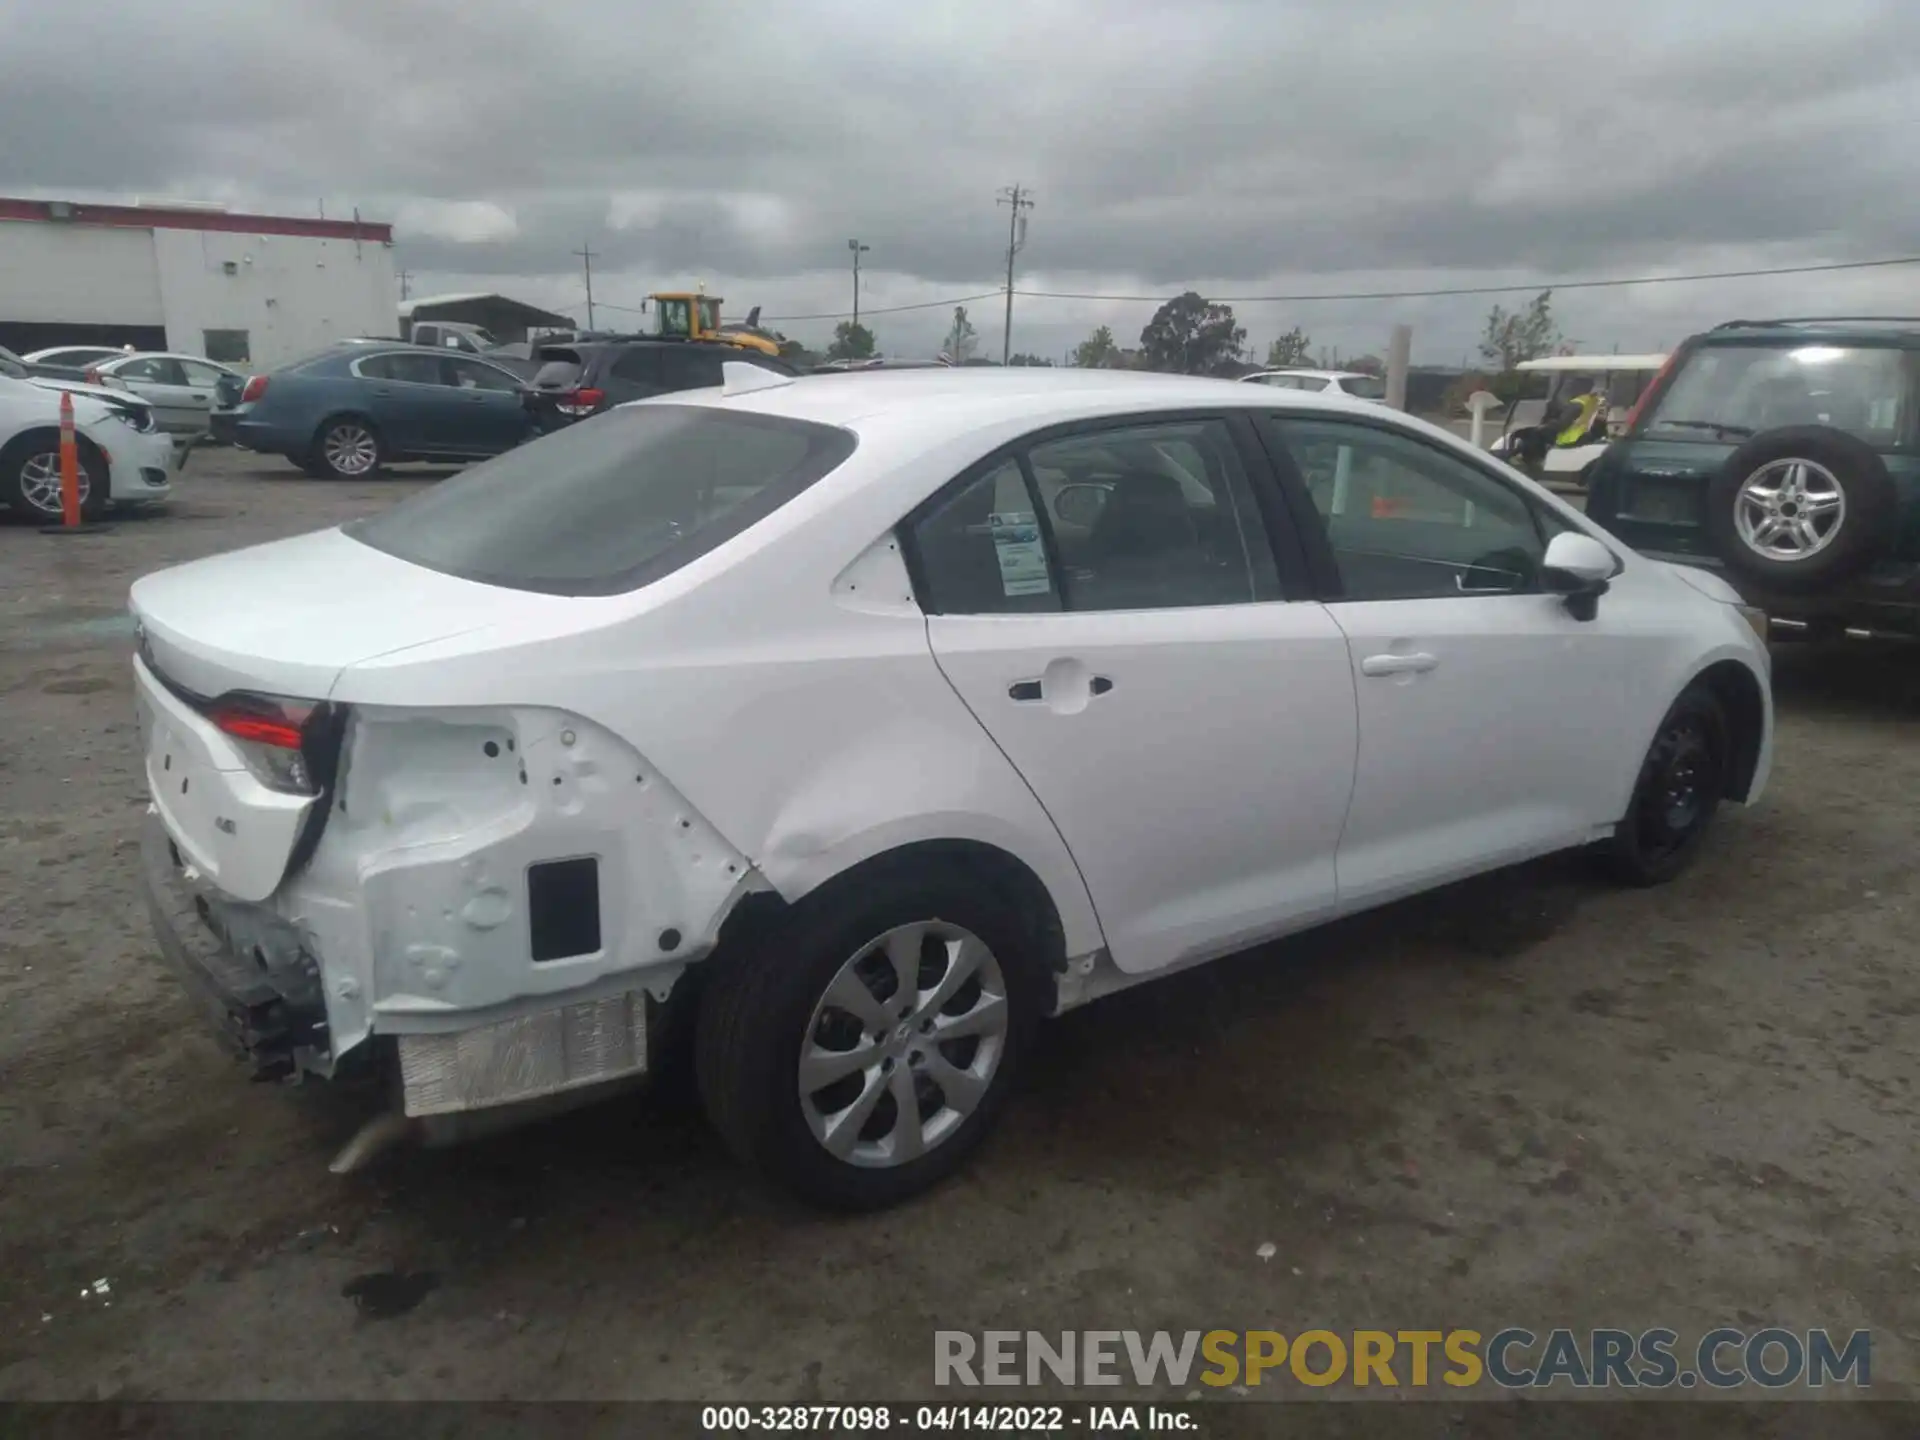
x=1677 y=787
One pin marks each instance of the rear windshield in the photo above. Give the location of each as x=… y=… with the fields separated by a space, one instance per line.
x=610 y=504
x=1732 y=391
x=559 y=369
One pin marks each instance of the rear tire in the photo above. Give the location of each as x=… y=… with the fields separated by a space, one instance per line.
x=346 y=447
x=1681 y=782
x=827 y=981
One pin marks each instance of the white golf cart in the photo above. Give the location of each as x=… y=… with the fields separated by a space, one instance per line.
x=1570 y=413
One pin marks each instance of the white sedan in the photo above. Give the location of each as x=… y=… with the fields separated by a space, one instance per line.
x=864 y=721
x=123 y=458
x=184 y=390
x=1322 y=382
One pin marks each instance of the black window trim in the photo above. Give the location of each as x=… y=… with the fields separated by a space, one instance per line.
x=1291 y=558
x=1308 y=522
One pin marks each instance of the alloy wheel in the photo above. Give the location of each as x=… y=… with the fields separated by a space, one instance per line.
x=1790 y=509
x=350 y=449
x=903 y=1044
x=40 y=482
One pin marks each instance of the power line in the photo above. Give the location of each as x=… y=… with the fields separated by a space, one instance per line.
x=1533 y=286
x=1536 y=285
x=891 y=309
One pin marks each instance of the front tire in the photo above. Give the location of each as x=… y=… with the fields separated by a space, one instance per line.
x=347 y=448
x=30 y=479
x=858 y=1053
x=1682 y=779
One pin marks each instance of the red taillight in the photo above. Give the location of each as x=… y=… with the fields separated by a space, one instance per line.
x=1653 y=389
x=580 y=402
x=93 y=377
x=272 y=734
x=256 y=387
x=259 y=729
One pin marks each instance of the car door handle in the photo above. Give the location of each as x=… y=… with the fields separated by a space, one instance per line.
x=381 y=390
x=1029 y=691
x=1398 y=664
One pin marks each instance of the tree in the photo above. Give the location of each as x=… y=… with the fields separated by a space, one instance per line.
x=1028 y=360
x=1190 y=336
x=1098 y=351
x=1512 y=337
x=851 y=341
x=961 y=340
x=1289 y=350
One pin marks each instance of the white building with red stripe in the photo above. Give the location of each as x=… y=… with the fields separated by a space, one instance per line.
x=252 y=291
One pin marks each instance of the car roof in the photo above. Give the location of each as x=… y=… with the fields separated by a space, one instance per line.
x=942 y=404
x=161 y=355
x=1593 y=362
x=1900 y=330
x=1308 y=374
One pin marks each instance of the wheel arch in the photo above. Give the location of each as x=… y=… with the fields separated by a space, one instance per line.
x=345 y=412
x=1057 y=932
x=1738 y=690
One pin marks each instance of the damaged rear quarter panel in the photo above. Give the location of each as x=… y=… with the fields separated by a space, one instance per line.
x=783 y=683
x=416 y=897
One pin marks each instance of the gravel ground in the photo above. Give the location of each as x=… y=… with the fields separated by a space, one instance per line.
x=1529 y=1100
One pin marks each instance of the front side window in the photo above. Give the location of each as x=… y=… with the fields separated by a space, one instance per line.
x=609 y=507
x=1148 y=517
x=1728 y=392
x=1408 y=521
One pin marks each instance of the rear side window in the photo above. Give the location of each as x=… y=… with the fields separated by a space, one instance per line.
x=638 y=366
x=609 y=507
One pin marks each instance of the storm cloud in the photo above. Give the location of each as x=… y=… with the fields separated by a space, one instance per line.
x=1240 y=147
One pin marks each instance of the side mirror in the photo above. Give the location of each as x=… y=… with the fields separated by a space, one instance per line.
x=1578 y=567
x=1080 y=504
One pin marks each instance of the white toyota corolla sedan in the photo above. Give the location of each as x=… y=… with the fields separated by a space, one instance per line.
x=861 y=722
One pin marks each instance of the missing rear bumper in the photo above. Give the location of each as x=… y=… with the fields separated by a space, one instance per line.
x=529 y=1057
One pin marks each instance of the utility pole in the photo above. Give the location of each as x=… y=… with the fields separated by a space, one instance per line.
x=858 y=250
x=585 y=252
x=1018 y=202
x=405 y=276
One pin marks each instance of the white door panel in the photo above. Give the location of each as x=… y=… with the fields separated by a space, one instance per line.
x=1489 y=728
x=1198 y=761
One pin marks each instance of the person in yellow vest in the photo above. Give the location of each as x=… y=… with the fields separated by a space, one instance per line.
x=1588 y=406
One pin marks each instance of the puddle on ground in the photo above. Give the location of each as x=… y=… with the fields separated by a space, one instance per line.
x=387 y=1293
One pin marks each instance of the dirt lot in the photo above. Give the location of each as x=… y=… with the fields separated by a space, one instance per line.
x=1533 y=1100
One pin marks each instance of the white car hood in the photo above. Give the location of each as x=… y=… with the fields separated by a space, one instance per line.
x=1705 y=581
x=288 y=617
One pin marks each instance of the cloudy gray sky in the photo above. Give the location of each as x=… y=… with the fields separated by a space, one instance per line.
x=1238 y=147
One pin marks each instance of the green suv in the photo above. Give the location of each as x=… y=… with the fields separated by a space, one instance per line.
x=1785 y=454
